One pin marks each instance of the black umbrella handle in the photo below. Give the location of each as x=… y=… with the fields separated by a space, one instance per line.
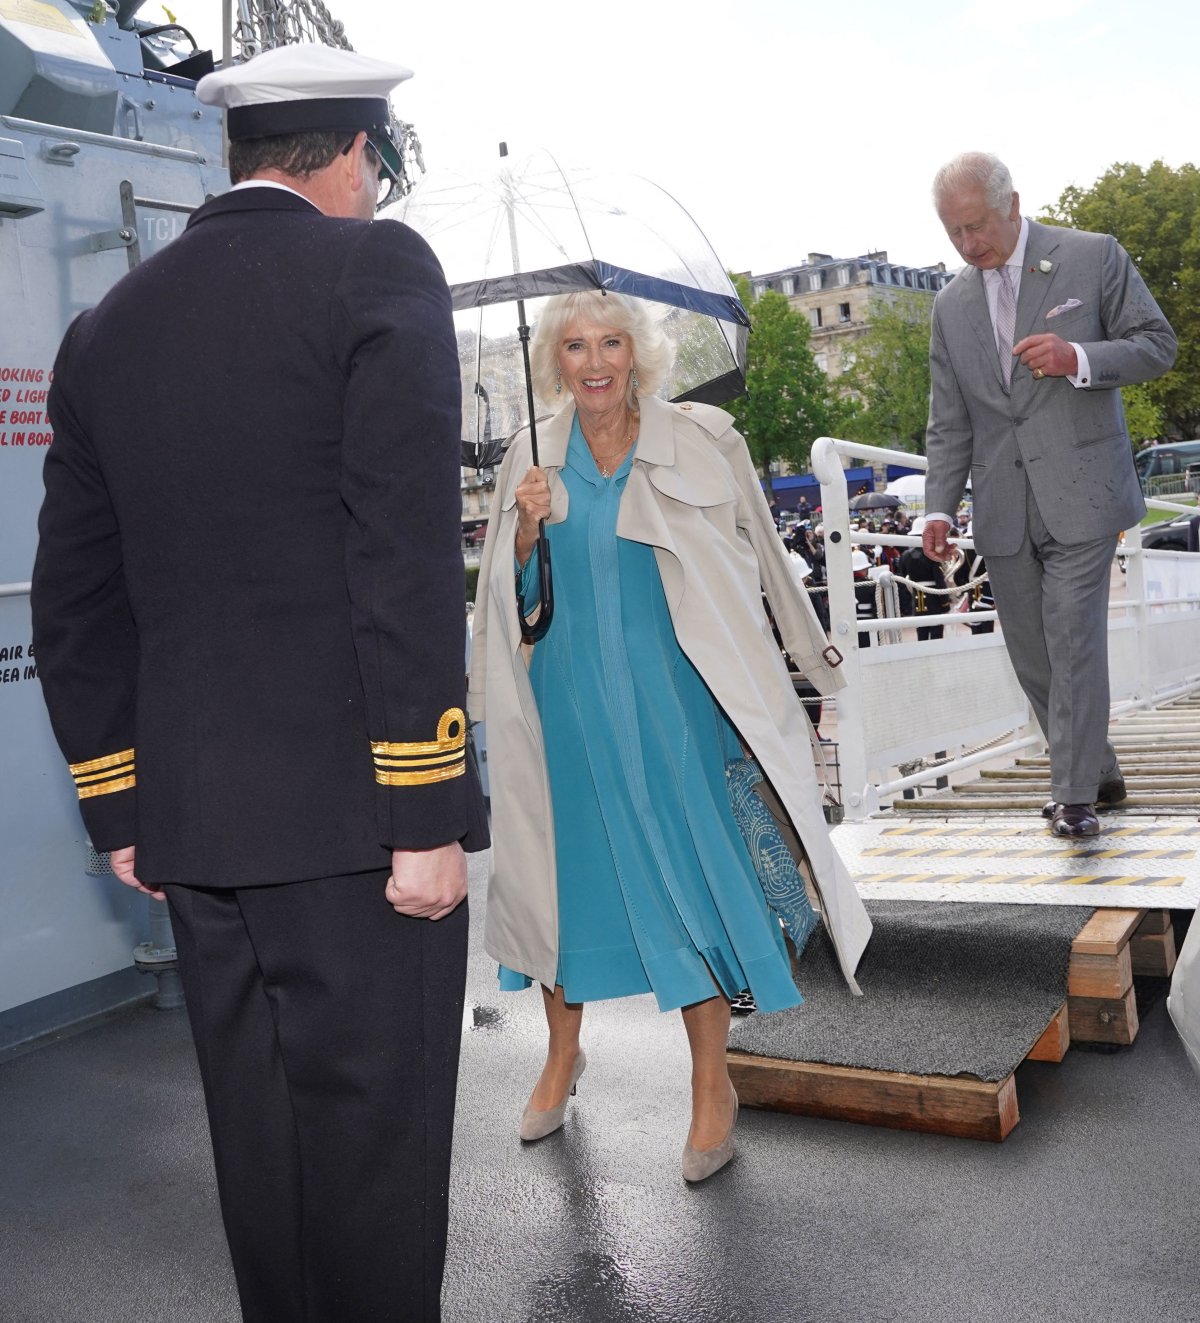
x=531 y=633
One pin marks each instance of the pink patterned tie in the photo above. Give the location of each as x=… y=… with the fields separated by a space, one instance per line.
x=1006 y=323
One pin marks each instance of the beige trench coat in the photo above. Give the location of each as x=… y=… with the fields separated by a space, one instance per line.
x=694 y=497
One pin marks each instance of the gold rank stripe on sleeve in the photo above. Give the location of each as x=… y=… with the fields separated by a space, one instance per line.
x=423 y=762
x=104 y=776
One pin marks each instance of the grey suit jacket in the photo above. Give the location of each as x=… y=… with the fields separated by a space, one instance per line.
x=1070 y=441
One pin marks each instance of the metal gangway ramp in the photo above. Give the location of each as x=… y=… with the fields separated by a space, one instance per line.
x=939 y=732
x=943 y=774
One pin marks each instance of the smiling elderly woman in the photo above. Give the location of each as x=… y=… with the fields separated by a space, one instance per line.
x=618 y=867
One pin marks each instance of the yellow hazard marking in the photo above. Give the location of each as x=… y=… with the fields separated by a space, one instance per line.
x=1129 y=881
x=1045 y=851
x=1018 y=879
x=1136 y=854
x=982 y=829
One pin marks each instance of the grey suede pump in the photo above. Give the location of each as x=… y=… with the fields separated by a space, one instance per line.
x=700 y=1164
x=537 y=1125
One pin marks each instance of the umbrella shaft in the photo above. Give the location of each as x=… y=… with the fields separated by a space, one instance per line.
x=523 y=333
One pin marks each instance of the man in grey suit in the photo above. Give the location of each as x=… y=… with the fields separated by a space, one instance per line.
x=1030 y=344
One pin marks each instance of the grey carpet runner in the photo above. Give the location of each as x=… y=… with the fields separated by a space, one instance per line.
x=948 y=989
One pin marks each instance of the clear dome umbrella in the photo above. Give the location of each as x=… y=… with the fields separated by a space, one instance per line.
x=532 y=229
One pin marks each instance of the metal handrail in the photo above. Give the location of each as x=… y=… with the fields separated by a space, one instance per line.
x=869 y=740
x=940 y=769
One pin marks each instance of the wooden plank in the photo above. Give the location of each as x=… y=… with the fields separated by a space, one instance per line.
x=1053 y=1044
x=1107 y=931
x=1156 y=921
x=1100 y=975
x=1153 y=954
x=937 y=1104
x=1104 y=1019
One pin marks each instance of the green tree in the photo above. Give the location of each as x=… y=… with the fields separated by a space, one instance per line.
x=1143 y=417
x=890 y=374
x=788 y=401
x=1155 y=215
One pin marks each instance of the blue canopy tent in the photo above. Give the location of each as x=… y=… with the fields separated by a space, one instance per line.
x=789 y=490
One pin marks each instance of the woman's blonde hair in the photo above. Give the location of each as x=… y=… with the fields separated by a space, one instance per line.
x=653 y=353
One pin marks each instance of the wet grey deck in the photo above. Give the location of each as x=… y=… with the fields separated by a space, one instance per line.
x=1087 y=1214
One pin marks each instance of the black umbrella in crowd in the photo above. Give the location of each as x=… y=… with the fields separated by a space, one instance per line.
x=875 y=501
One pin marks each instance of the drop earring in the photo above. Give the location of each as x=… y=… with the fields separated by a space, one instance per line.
x=558 y=383
x=634 y=382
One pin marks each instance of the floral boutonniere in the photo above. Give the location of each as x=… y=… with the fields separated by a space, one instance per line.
x=1045 y=266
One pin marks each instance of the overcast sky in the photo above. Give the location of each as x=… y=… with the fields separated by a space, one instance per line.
x=786 y=126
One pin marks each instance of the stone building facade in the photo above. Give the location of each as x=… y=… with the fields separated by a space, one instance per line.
x=478 y=489
x=836 y=294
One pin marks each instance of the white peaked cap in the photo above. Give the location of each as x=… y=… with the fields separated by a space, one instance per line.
x=301 y=89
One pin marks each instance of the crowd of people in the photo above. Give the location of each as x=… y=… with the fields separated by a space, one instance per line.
x=922 y=586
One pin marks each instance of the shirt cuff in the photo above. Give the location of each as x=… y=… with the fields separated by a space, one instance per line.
x=945 y=518
x=1083 y=369
x=528 y=577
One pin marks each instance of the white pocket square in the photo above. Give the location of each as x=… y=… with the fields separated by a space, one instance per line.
x=1064 y=307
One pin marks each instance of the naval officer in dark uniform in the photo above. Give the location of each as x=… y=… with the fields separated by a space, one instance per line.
x=248 y=617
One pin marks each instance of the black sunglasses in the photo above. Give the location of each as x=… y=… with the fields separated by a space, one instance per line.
x=383 y=171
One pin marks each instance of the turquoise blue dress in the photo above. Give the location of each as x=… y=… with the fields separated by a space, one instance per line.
x=655 y=884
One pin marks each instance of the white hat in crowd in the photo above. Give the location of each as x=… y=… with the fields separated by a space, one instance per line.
x=308 y=88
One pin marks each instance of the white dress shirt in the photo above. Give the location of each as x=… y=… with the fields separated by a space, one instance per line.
x=1016 y=266
x=271 y=183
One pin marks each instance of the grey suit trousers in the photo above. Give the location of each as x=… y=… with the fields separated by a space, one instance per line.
x=1053 y=604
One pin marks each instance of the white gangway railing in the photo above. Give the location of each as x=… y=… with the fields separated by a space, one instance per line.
x=956 y=700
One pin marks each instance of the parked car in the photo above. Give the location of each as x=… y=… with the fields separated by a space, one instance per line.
x=1166 y=461
x=1170 y=535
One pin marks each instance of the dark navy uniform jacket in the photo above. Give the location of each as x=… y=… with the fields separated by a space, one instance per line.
x=248 y=596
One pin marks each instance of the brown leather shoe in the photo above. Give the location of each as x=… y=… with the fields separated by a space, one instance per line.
x=1112 y=791
x=1074 y=820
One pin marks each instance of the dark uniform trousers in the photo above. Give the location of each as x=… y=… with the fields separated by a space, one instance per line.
x=330 y=1081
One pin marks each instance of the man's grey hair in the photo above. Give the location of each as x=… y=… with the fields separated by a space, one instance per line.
x=975 y=170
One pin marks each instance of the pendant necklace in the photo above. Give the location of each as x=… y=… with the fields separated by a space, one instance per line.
x=602 y=461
